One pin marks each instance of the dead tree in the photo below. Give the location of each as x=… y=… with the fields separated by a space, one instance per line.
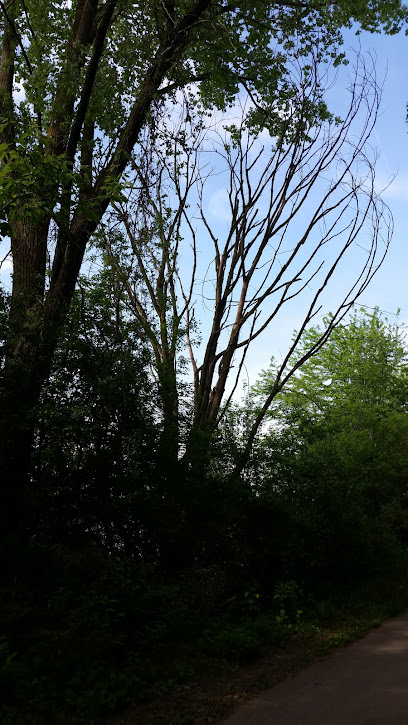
x=298 y=205
x=143 y=242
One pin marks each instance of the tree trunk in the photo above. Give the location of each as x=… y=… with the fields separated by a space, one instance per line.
x=31 y=339
x=35 y=319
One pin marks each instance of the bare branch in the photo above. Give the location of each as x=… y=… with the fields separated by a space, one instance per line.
x=295 y=207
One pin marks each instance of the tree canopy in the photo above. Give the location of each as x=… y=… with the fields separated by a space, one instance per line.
x=143 y=513
x=359 y=373
x=78 y=82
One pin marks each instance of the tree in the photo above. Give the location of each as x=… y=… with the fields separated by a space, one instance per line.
x=77 y=83
x=359 y=376
x=94 y=472
x=335 y=447
x=297 y=206
x=340 y=410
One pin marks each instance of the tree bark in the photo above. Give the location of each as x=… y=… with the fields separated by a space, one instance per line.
x=23 y=376
x=36 y=316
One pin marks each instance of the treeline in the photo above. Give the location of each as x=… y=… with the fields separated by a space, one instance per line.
x=135 y=561
x=148 y=522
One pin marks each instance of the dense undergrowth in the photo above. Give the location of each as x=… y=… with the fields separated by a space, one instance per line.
x=139 y=575
x=97 y=638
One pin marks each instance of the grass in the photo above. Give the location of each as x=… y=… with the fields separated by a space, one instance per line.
x=263 y=651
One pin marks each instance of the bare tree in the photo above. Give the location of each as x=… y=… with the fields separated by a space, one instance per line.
x=143 y=241
x=298 y=207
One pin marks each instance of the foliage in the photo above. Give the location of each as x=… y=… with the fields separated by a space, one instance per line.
x=130 y=565
x=358 y=376
x=78 y=83
x=337 y=432
x=220 y=50
x=97 y=433
x=153 y=583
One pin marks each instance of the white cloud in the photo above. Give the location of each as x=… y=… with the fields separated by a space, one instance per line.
x=6 y=266
x=219 y=206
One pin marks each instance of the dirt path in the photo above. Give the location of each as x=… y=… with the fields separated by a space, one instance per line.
x=365 y=683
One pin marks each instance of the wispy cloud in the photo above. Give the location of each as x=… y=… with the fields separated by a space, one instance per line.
x=395 y=188
x=219 y=206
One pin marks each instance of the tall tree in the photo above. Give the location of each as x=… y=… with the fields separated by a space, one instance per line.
x=358 y=377
x=336 y=448
x=94 y=457
x=296 y=206
x=77 y=83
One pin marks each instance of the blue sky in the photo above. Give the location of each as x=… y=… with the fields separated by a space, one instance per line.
x=389 y=289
